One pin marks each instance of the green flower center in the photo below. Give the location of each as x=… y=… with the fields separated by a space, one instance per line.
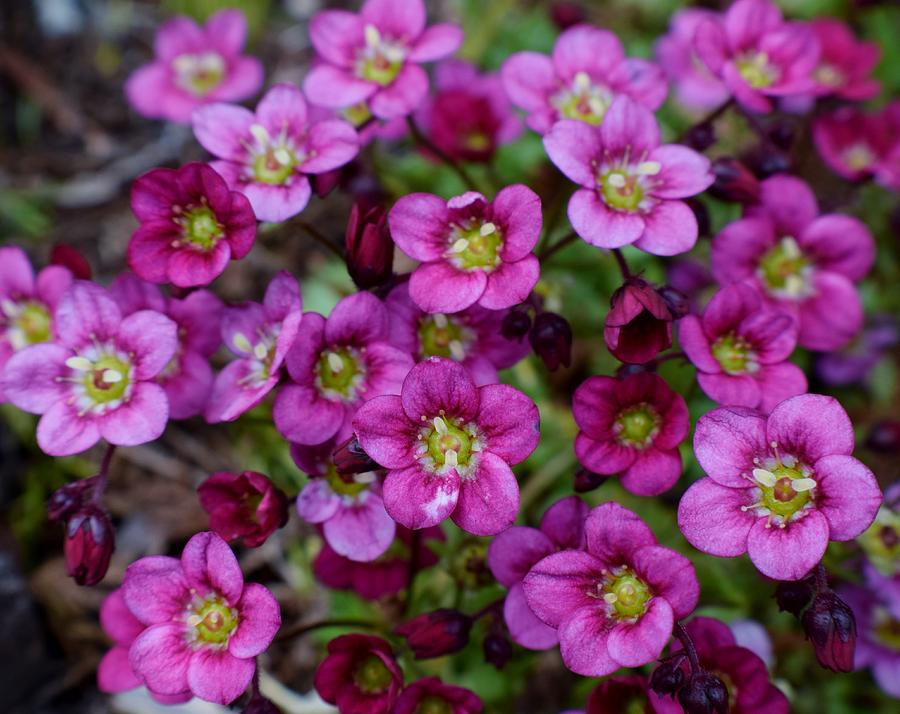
x=443 y=336
x=786 y=488
x=446 y=444
x=583 y=100
x=784 y=269
x=859 y=157
x=273 y=159
x=637 y=426
x=339 y=373
x=886 y=629
x=260 y=355
x=28 y=323
x=358 y=114
x=829 y=75
x=381 y=60
x=199 y=227
x=433 y=705
x=101 y=377
x=881 y=541
x=734 y=355
x=624 y=187
x=626 y=595
x=372 y=675
x=199 y=74
x=212 y=621
x=754 y=67
x=345 y=485
x=476 y=246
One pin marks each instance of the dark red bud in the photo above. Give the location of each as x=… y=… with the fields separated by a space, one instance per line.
x=783 y=133
x=350 y=458
x=369 y=247
x=323 y=184
x=639 y=323
x=793 y=596
x=677 y=301
x=497 y=650
x=437 y=633
x=884 y=437
x=567 y=14
x=586 y=480
x=704 y=693
x=701 y=136
x=770 y=161
x=67 y=500
x=68 y=257
x=831 y=627
x=734 y=181
x=551 y=339
x=668 y=677
x=516 y=325
x=89 y=544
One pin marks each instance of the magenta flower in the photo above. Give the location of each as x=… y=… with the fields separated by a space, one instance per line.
x=246 y=506
x=259 y=335
x=336 y=364
x=515 y=551
x=617 y=694
x=613 y=602
x=27 y=303
x=471 y=250
x=740 y=348
x=472 y=336
x=631 y=427
x=778 y=487
x=758 y=55
x=97 y=379
x=448 y=446
x=586 y=72
x=469 y=116
x=349 y=507
x=203 y=625
x=374 y=57
x=194 y=66
x=432 y=695
x=188 y=377
x=191 y=226
x=845 y=64
x=267 y=155
x=859 y=145
x=629 y=184
x=359 y=675
x=803 y=263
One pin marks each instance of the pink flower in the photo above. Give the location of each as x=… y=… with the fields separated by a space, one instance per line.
x=586 y=72
x=203 y=626
x=778 y=487
x=349 y=507
x=845 y=63
x=374 y=56
x=857 y=145
x=803 y=263
x=614 y=601
x=191 y=226
x=740 y=347
x=448 y=446
x=469 y=115
x=632 y=427
x=260 y=337
x=336 y=364
x=194 y=66
x=359 y=675
x=26 y=303
x=757 y=54
x=472 y=336
x=695 y=86
x=431 y=694
x=629 y=184
x=515 y=551
x=245 y=505
x=267 y=155
x=97 y=380
x=471 y=250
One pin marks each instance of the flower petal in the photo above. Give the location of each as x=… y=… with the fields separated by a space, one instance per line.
x=510 y=422
x=653 y=472
x=847 y=494
x=259 y=620
x=572 y=146
x=403 y=96
x=160 y=656
x=584 y=642
x=710 y=517
x=512 y=553
x=331 y=144
x=416 y=498
x=361 y=531
x=612 y=533
x=600 y=225
x=510 y=283
x=437 y=384
x=155 y=590
x=670 y=227
x=525 y=628
x=436 y=42
x=788 y=553
x=218 y=676
x=635 y=644
x=488 y=501
x=386 y=433
x=684 y=172
x=810 y=426
x=670 y=576
x=727 y=440
x=62 y=432
x=86 y=312
x=139 y=420
x=30 y=378
x=558 y=585
x=209 y=565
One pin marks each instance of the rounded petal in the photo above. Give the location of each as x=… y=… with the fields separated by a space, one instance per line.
x=670 y=576
x=612 y=533
x=385 y=432
x=738 y=247
x=440 y=287
x=788 y=553
x=789 y=202
x=114 y=673
x=525 y=628
x=510 y=283
x=810 y=426
x=603 y=456
x=599 y=225
x=509 y=421
x=710 y=517
x=403 y=96
x=357 y=320
x=512 y=553
x=221 y=129
x=154 y=589
x=419 y=224
x=727 y=440
x=139 y=420
x=573 y=146
x=488 y=500
x=832 y=316
x=218 y=676
x=86 y=312
x=362 y=531
x=209 y=565
x=402 y=19
x=684 y=172
x=331 y=144
x=417 y=499
x=529 y=79
x=334 y=87
x=778 y=382
x=518 y=209
x=30 y=378
x=437 y=384
x=588 y=49
x=337 y=35
x=670 y=228
x=847 y=494
x=583 y=643
x=278 y=203
x=160 y=656
x=653 y=472
x=151 y=338
x=61 y=432
x=839 y=244
x=437 y=42
x=317 y=501
x=260 y=618
x=563 y=522
x=739 y=390
x=386 y=368
x=303 y=416
x=629 y=127
x=559 y=585
x=636 y=644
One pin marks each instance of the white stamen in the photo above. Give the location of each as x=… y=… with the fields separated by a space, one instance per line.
x=597 y=105
x=111 y=376
x=649 y=168
x=81 y=363
x=440 y=426
x=460 y=245
x=456 y=350
x=282 y=156
x=487 y=228
x=616 y=180
x=793 y=285
x=790 y=247
x=373 y=37
x=335 y=363
x=766 y=478
x=789 y=461
x=803 y=484
x=440 y=320
x=365 y=477
x=260 y=134
x=611 y=598
x=450 y=458
x=241 y=342
x=582 y=81
x=392 y=53
x=10 y=309
x=260 y=351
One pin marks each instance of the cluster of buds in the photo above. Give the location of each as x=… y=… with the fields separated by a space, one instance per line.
x=549 y=334
x=90 y=536
x=698 y=691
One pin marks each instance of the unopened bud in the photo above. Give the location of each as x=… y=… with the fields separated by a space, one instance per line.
x=734 y=181
x=516 y=325
x=830 y=625
x=586 y=480
x=551 y=339
x=668 y=677
x=67 y=500
x=89 y=544
x=351 y=458
x=701 y=136
x=497 y=650
x=369 y=247
x=437 y=633
x=793 y=596
x=704 y=693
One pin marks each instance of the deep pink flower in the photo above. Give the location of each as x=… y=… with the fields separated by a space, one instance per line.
x=336 y=364
x=348 y=507
x=778 y=487
x=97 y=380
x=586 y=72
x=695 y=86
x=621 y=694
x=267 y=155
x=613 y=602
x=374 y=56
x=803 y=263
x=436 y=633
x=629 y=184
x=845 y=64
x=204 y=626
x=194 y=66
x=384 y=576
x=515 y=551
x=448 y=446
x=631 y=427
x=188 y=377
x=740 y=347
x=758 y=55
x=471 y=250
x=472 y=336
x=469 y=115
x=259 y=335
x=432 y=695
x=638 y=325
x=359 y=675
x=858 y=145
x=245 y=505
x=191 y=226
x=27 y=303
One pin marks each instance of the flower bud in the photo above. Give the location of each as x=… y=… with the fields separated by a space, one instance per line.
x=701 y=136
x=704 y=693
x=675 y=300
x=770 y=161
x=701 y=213
x=437 y=633
x=497 y=649
x=639 y=323
x=668 y=677
x=793 y=596
x=565 y=14
x=516 y=325
x=350 y=458
x=884 y=437
x=89 y=544
x=244 y=506
x=586 y=480
x=831 y=627
x=734 y=181
x=68 y=257
x=369 y=247
x=68 y=499
x=551 y=339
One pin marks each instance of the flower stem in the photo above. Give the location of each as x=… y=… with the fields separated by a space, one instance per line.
x=429 y=146
x=320 y=238
x=413 y=568
x=821 y=577
x=559 y=245
x=623 y=264
x=103 y=474
x=304 y=628
x=708 y=119
x=682 y=634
